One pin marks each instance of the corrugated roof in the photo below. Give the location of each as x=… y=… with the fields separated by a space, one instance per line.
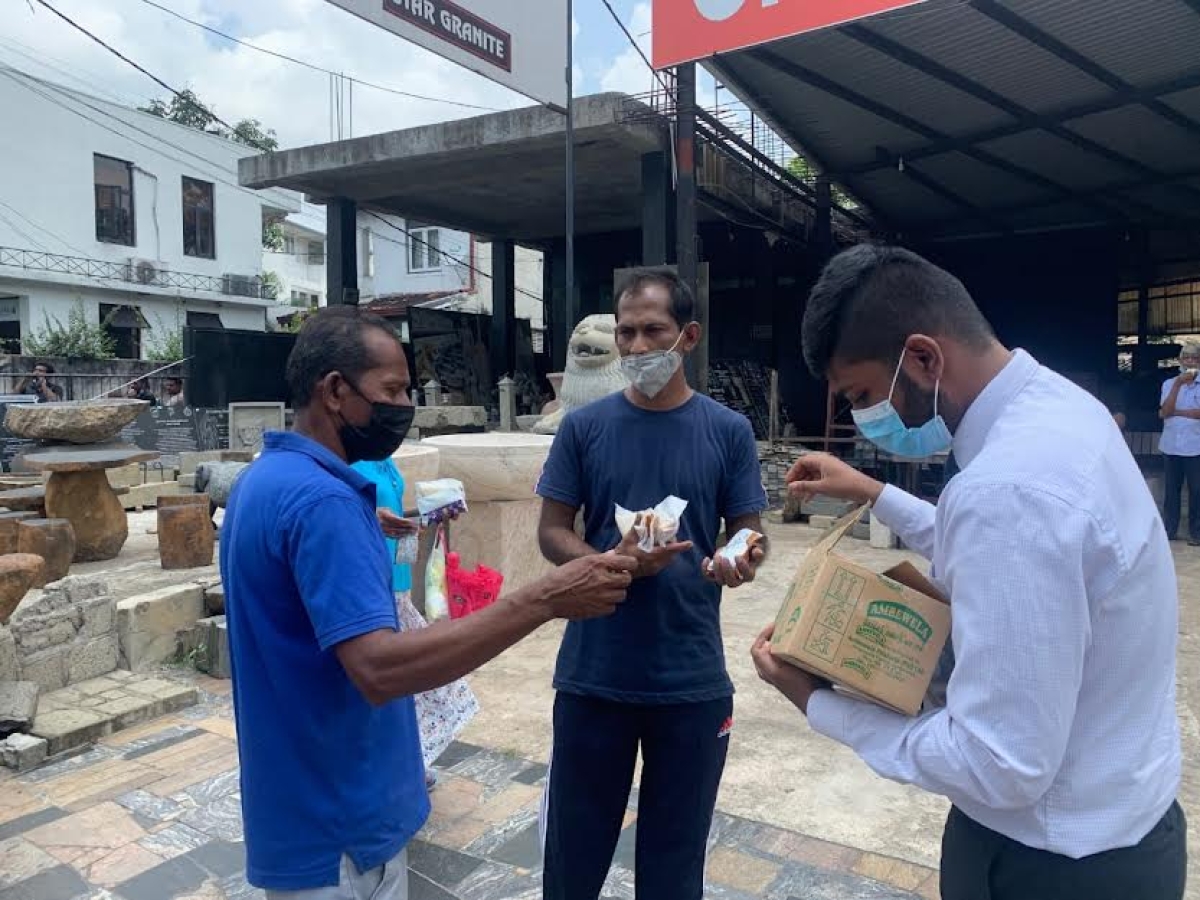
x=1008 y=114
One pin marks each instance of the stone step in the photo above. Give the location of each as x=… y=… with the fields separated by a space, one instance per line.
x=85 y=712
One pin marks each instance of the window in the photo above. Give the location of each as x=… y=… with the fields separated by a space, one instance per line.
x=424 y=246
x=198 y=226
x=113 y=183
x=305 y=299
x=124 y=325
x=289 y=244
x=316 y=253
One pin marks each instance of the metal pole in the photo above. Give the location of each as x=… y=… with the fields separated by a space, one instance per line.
x=572 y=313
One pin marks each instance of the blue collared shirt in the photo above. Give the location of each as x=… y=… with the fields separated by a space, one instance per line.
x=1059 y=729
x=324 y=773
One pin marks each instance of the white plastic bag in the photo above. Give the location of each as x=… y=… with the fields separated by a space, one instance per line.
x=437 y=602
x=440 y=500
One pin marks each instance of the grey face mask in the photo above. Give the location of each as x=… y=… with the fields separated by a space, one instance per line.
x=650 y=372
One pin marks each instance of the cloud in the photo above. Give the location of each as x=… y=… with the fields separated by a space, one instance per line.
x=628 y=73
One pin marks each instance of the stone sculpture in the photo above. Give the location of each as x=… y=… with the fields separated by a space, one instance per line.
x=593 y=369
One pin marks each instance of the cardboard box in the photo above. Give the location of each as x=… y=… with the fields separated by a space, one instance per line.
x=876 y=636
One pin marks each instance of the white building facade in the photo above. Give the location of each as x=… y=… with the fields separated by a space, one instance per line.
x=403 y=263
x=136 y=220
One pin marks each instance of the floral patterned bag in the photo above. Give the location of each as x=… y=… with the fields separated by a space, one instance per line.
x=443 y=713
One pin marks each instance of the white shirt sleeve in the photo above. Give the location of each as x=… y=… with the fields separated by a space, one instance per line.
x=1021 y=628
x=908 y=516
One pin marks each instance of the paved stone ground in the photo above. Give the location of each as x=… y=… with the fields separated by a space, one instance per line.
x=153 y=813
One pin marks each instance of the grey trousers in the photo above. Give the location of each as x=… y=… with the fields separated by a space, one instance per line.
x=387 y=882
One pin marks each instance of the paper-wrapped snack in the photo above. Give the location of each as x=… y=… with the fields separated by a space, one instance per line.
x=440 y=500
x=738 y=546
x=654 y=527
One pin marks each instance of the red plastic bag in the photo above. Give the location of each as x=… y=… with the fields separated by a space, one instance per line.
x=470 y=591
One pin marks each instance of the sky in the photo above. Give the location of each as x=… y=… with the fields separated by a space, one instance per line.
x=238 y=82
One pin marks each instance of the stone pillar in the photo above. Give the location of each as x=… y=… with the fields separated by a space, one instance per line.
x=341 y=251
x=51 y=539
x=18 y=573
x=93 y=509
x=508 y=404
x=433 y=393
x=185 y=536
x=658 y=210
x=8 y=529
x=504 y=309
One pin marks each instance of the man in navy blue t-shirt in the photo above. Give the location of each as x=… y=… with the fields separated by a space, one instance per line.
x=333 y=786
x=652 y=676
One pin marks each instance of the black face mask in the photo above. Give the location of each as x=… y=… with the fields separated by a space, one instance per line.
x=381 y=436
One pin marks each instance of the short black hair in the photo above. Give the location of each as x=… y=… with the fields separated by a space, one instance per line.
x=683 y=304
x=872 y=297
x=331 y=340
x=174 y=378
x=44 y=365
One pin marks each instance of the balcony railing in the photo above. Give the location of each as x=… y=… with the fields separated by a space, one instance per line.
x=139 y=274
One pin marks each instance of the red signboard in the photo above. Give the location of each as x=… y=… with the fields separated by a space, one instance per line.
x=686 y=30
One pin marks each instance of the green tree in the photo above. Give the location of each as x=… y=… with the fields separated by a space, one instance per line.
x=77 y=339
x=272 y=236
x=165 y=343
x=187 y=109
x=251 y=133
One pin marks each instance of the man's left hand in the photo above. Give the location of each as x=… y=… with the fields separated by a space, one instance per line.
x=728 y=574
x=794 y=683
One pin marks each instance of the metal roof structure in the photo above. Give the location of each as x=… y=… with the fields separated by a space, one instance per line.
x=963 y=118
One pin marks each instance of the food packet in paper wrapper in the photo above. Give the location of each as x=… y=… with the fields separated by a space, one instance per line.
x=738 y=546
x=655 y=527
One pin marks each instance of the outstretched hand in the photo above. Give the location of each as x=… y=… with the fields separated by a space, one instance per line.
x=649 y=563
x=821 y=473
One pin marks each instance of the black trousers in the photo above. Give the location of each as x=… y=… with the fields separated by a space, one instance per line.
x=979 y=864
x=1181 y=469
x=595 y=751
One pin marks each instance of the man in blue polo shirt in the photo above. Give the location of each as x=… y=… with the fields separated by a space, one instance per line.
x=333 y=784
x=652 y=677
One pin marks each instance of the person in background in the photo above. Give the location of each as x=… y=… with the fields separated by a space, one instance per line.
x=443 y=712
x=174 y=391
x=652 y=677
x=39 y=384
x=332 y=780
x=1058 y=742
x=140 y=390
x=1180 y=444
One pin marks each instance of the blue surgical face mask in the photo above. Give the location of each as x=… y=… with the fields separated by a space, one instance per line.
x=883 y=427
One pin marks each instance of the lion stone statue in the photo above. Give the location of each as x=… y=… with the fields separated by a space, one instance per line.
x=593 y=369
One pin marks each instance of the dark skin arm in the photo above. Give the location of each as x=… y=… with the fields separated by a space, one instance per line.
x=385 y=664
x=559 y=542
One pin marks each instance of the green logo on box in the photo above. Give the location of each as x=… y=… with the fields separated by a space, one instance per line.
x=902 y=615
x=858 y=667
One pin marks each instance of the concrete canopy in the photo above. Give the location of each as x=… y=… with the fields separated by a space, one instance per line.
x=501 y=175
x=959 y=118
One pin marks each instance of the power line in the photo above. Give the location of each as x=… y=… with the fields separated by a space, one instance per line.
x=62 y=240
x=445 y=255
x=14 y=73
x=632 y=42
x=47 y=61
x=146 y=72
x=314 y=66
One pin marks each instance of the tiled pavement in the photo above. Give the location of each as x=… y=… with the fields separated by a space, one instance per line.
x=153 y=814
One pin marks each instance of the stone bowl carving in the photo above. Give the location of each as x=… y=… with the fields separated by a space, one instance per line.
x=75 y=421
x=495 y=465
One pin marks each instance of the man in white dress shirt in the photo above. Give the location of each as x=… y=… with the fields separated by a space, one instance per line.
x=1180 y=444
x=1058 y=743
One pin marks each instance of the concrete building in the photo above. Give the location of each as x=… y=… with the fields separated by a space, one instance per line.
x=437 y=267
x=136 y=220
